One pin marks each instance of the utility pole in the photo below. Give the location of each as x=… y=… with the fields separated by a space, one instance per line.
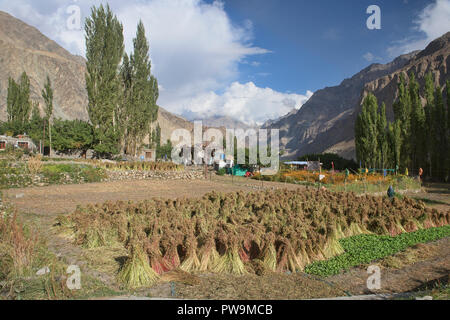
x=43 y=149
x=50 y=135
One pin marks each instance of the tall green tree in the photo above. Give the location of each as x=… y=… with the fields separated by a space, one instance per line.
x=383 y=146
x=104 y=53
x=447 y=162
x=417 y=125
x=36 y=125
x=366 y=132
x=141 y=90
x=395 y=142
x=439 y=120
x=402 y=113
x=126 y=75
x=18 y=104
x=72 y=135
x=47 y=95
x=430 y=143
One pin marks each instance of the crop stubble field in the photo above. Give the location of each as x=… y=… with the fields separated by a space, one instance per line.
x=53 y=200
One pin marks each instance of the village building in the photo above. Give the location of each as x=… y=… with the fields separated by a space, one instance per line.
x=21 y=141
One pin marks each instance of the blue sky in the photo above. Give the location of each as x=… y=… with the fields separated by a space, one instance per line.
x=252 y=60
x=316 y=44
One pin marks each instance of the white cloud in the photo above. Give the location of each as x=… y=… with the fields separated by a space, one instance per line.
x=195 y=48
x=245 y=102
x=432 y=23
x=369 y=56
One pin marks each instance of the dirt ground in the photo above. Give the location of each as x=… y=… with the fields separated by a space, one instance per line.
x=58 y=199
x=430 y=263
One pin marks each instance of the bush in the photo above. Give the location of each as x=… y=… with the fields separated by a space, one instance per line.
x=17 y=248
x=222 y=172
x=34 y=164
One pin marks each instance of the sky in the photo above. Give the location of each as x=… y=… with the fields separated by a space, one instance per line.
x=252 y=60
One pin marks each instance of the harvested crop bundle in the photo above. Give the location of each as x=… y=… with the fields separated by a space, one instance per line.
x=278 y=230
x=136 y=272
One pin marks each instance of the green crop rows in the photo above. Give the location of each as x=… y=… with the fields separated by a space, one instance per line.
x=365 y=248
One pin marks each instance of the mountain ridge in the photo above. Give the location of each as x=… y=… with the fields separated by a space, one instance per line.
x=25 y=48
x=326 y=122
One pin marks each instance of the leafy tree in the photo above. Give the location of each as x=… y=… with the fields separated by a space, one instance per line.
x=447 y=162
x=395 y=142
x=47 y=94
x=18 y=104
x=402 y=113
x=430 y=143
x=164 y=151
x=36 y=125
x=417 y=125
x=439 y=156
x=104 y=52
x=126 y=75
x=141 y=92
x=366 y=132
x=383 y=146
x=72 y=135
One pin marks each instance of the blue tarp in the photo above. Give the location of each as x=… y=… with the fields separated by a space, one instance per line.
x=297 y=163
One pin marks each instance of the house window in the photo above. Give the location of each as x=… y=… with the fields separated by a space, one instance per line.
x=22 y=144
x=148 y=155
x=2 y=145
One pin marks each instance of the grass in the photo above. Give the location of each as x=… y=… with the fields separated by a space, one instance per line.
x=21 y=174
x=410 y=256
x=22 y=253
x=363 y=249
x=336 y=182
x=64 y=173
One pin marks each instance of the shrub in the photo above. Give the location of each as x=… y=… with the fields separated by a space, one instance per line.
x=34 y=164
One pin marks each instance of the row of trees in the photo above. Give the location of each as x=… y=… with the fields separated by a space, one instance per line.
x=122 y=96
x=419 y=135
x=122 y=91
x=19 y=106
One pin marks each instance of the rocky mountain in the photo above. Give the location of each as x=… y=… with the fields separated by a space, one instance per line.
x=24 y=48
x=326 y=122
x=170 y=122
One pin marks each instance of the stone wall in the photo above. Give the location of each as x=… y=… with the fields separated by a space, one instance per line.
x=115 y=175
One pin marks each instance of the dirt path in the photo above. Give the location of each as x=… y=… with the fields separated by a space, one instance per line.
x=421 y=275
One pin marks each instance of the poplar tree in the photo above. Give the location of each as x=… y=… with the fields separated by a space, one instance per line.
x=47 y=95
x=447 y=162
x=104 y=52
x=402 y=113
x=141 y=92
x=439 y=156
x=126 y=74
x=417 y=125
x=382 y=137
x=429 y=128
x=395 y=142
x=366 y=132
x=18 y=103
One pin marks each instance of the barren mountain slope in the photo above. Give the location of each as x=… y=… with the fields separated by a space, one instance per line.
x=326 y=122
